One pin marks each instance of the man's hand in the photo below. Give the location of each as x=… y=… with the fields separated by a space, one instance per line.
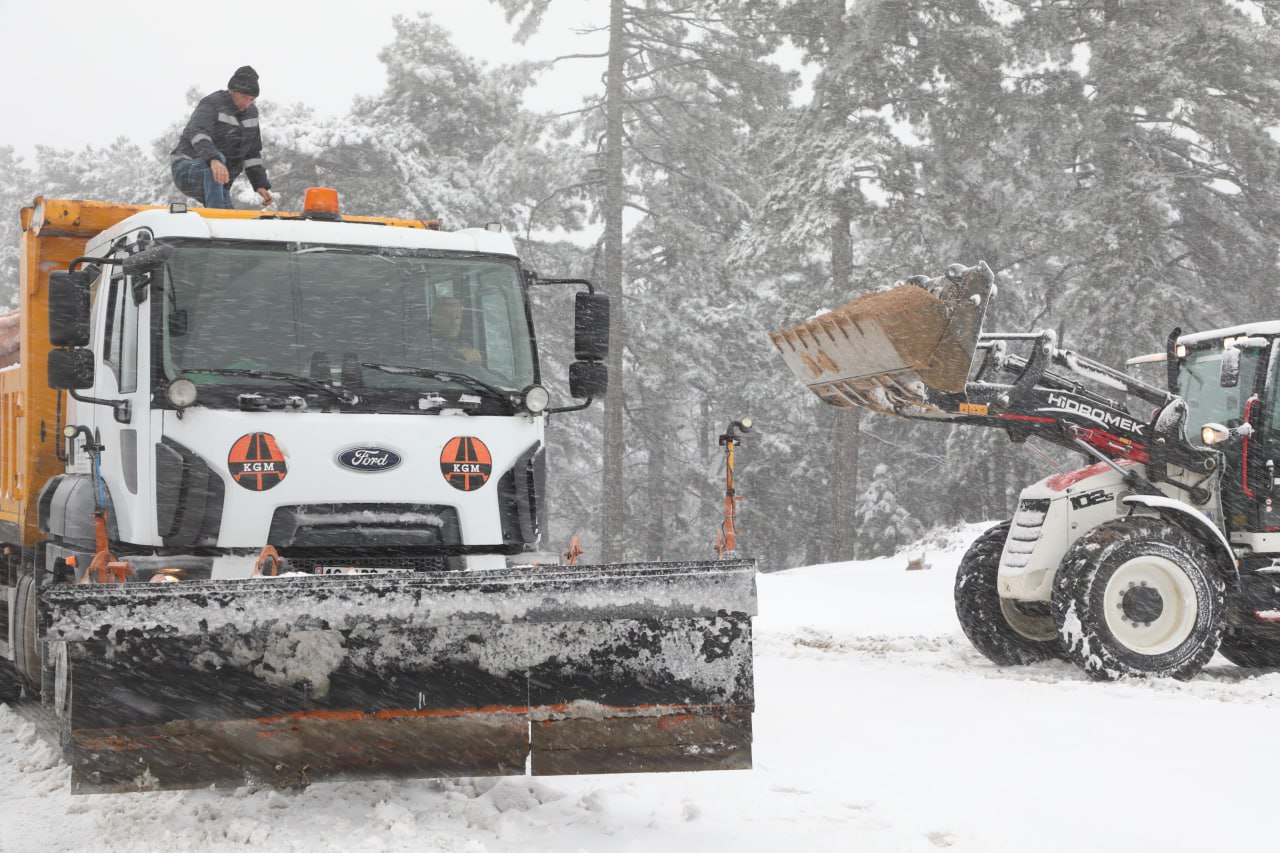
x=267 y=198
x=470 y=356
x=220 y=173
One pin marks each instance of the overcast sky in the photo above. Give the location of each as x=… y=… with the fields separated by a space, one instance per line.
x=84 y=72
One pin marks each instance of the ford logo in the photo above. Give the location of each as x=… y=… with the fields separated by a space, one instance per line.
x=369 y=459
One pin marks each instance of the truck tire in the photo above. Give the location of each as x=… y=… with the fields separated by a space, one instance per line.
x=1250 y=650
x=10 y=683
x=1139 y=597
x=985 y=618
x=26 y=654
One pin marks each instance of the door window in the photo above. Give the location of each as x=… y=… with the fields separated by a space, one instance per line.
x=122 y=335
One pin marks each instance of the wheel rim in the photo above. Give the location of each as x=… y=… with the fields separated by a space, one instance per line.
x=1039 y=628
x=1150 y=605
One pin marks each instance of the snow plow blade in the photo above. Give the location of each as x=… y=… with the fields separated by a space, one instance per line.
x=291 y=680
x=894 y=351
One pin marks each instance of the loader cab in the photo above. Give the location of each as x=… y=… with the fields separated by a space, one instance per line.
x=1230 y=377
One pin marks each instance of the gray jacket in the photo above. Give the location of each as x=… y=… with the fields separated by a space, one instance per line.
x=217 y=128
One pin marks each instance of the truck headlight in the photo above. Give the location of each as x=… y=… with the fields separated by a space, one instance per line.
x=181 y=393
x=536 y=399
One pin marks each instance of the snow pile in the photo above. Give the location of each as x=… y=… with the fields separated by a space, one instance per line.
x=878 y=728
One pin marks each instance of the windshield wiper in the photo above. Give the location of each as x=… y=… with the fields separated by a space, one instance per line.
x=341 y=250
x=446 y=375
x=340 y=394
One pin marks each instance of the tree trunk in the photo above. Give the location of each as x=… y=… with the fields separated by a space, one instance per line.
x=844 y=509
x=613 y=516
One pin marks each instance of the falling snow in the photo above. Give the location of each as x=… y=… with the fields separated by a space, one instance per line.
x=877 y=728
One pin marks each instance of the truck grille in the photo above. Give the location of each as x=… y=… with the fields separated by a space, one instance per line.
x=348 y=564
x=1024 y=533
x=365 y=528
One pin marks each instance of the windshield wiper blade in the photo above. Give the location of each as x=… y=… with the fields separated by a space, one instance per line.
x=446 y=375
x=340 y=394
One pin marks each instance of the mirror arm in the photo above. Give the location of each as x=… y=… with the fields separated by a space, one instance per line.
x=533 y=278
x=86 y=259
x=560 y=409
x=121 y=409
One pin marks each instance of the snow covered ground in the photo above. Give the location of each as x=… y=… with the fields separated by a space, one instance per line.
x=877 y=729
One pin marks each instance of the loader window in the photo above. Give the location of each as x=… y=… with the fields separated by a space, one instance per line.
x=322 y=312
x=1209 y=402
x=1271 y=419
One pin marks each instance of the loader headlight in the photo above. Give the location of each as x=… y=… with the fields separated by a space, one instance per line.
x=1212 y=434
x=536 y=399
x=181 y=393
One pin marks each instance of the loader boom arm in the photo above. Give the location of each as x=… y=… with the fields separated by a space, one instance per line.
x=918 y=351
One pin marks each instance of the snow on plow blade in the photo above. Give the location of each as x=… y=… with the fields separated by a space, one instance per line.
x=286 y=681
x=893 y=350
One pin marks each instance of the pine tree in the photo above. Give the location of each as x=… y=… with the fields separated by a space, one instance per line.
x=1165 y=171
x=17 y=190
x=885 y=524
x=119 y=172
x=669 y=69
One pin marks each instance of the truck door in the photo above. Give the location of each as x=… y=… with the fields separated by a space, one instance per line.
x=122 y=373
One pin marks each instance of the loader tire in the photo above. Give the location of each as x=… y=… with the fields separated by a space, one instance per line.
x=1138 y=597
x=1251 y=650
x=987 y=621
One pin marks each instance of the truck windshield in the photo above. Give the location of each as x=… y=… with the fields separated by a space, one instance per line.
x=1207 y=401
x=322 y=312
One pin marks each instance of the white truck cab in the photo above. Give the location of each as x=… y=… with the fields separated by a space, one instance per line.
x=353 y=394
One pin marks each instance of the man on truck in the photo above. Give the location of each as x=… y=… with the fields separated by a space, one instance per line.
x=220 y=140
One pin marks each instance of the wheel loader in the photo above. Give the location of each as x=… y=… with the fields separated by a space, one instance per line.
x=1162 y=550
x=272 y=493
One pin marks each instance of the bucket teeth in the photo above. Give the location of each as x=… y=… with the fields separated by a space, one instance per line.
x=899 y=351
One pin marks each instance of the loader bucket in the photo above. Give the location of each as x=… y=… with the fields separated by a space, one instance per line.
x=893 y=351
x=286 y=681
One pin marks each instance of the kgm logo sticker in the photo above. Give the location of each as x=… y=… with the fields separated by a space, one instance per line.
x=256 y=462
x=465 y=463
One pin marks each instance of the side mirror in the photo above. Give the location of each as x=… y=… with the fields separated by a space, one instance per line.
x=69 y=308
x=71 y=369
x=178 y=323
x=1229 y=373
x=590 y=328
x=588 y=379
x=141 y=266
x=148 y=260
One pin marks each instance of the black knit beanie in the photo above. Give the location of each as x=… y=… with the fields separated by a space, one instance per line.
x=244 y=81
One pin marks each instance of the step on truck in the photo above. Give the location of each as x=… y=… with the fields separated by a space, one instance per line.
x=1162 y=550
x=269 y=488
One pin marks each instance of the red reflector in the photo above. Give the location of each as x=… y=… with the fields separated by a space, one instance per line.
x=321 y=200
x=1267 y=615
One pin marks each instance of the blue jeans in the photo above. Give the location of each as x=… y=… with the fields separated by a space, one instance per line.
x=195 y=178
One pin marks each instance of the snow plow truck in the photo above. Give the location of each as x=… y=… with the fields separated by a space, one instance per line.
x=1161 y=551
x=269 y=488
